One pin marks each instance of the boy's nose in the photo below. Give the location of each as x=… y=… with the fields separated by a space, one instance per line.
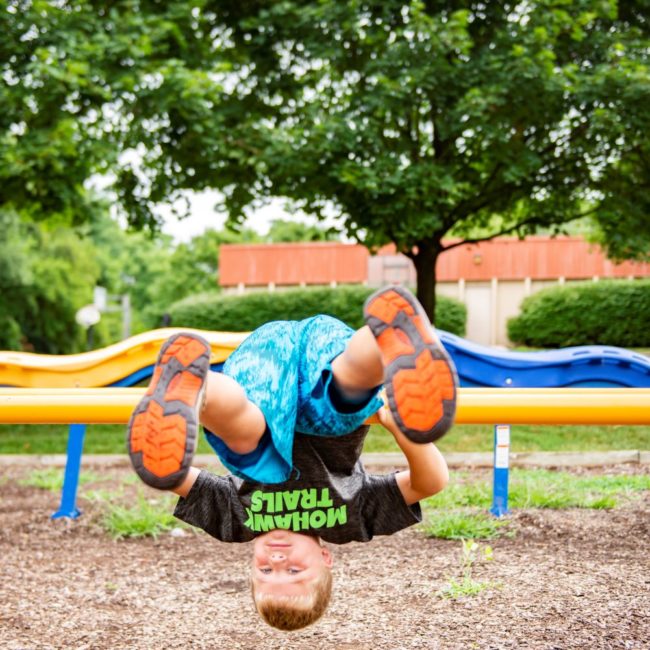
x=277 y=556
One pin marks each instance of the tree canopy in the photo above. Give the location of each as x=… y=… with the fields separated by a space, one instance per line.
x=415 y=121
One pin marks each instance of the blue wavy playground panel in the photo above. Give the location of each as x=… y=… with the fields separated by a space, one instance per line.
x=591 y=366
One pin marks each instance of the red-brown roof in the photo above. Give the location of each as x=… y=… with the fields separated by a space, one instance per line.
x=505 y=258
x=292 y=264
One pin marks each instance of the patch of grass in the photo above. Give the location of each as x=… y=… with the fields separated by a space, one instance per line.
x=559 y=490
x=461 y=510
x=478 y=437
x=44 y=439
x=110 y=439
x=102 y=496
x=538 y=488
x=51 y=478
x=141 y=518
x=462 y=492
x=131 y=479
x=463 y=524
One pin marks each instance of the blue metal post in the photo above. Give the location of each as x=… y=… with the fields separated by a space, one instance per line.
x=501 y=463
x=68 y=507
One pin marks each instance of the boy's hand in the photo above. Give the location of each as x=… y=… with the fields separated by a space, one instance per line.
x=387 y=420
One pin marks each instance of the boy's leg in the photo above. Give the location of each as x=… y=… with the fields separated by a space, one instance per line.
x=230 y=415
x=419 y=377
x=162 y=433
x=400 y=348
x=359 y=368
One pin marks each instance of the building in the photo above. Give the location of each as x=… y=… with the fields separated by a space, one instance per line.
x=491 y=278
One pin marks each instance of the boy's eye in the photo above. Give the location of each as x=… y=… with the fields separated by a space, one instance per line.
x=265 y=569
x=293 y=571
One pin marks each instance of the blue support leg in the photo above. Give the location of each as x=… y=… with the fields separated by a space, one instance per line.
x=501 y=465
x=68 y=507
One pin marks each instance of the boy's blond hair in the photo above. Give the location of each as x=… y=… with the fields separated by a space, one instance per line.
x=294 y=612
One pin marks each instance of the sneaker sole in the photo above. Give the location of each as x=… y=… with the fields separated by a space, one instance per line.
x=163 y=429
x=420 y=379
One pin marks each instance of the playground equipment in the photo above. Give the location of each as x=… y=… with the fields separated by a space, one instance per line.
x=123 y=364
x=583 y=366
x=129 y=362
x=73 y=394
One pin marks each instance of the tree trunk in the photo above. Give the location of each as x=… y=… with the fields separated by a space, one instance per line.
x=425 y=269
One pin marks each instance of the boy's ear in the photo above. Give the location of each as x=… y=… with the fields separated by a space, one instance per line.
x=328 y=558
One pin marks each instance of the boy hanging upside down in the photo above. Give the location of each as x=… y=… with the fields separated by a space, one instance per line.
x=286 y=417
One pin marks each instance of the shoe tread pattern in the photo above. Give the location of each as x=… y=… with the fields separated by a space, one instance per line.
x=162 y=433
x=420 y=379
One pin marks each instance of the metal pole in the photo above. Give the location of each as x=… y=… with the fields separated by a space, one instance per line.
x=501 y=464
x=68 y=507
x=126 y=316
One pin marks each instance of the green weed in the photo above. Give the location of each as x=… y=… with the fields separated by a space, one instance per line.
x=466 y=585
x=558 y=490
x=461 y=510
x=538 y=488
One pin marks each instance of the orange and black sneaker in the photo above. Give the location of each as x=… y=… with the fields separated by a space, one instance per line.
x=419 y=377
x=162 y=432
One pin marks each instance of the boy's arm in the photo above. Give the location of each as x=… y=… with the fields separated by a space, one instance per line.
x=427 y=473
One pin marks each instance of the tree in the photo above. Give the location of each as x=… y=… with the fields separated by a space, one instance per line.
x=15 y=277
x=154 y=270
x=46 y=275
x=421 y=120
x=414 y=120
x=282 y=230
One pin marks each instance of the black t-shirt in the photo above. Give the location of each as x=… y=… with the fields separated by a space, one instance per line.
x=329 y=495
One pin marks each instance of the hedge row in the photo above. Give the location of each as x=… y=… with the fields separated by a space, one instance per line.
x=243 y=313
x=614 y=312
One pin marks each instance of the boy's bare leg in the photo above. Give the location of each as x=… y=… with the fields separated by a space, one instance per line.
x=359 y=368
x=228 y=413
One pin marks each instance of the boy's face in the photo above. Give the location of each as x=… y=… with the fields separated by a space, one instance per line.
x=287 y=563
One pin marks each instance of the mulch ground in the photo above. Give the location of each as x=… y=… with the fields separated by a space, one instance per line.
x=568 y=579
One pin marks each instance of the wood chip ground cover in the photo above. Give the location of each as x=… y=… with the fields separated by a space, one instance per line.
x=568 y=579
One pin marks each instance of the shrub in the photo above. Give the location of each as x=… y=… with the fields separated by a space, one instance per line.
x=615 y=312
x=246 y=312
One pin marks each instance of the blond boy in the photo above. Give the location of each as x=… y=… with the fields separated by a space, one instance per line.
x=286 y=417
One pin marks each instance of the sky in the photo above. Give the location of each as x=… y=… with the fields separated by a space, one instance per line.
x=203 y=217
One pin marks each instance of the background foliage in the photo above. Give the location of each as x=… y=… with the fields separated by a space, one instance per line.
x=48 y=271
x=246 y=312
x=46 y=275
x=605 y=313
x=412 y=120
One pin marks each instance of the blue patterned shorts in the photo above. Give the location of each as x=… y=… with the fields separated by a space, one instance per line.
x=285 y=369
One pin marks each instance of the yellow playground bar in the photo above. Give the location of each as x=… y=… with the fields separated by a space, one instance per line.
x=475 y=405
